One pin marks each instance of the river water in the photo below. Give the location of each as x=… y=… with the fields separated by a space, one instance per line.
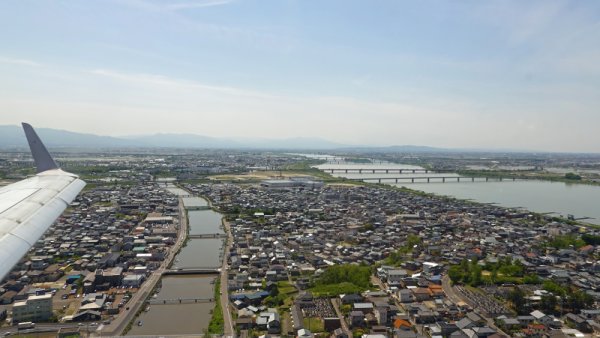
x=204 y=222
x=539 y=196
x=187 y=318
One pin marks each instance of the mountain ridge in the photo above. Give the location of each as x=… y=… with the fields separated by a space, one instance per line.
x=12 y=137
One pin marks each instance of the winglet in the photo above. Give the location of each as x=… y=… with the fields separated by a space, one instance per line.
x=41 y=156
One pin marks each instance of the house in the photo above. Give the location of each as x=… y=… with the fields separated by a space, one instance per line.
x=351 y=298
x=421 y=294
x=244 y=323
x=269 y=320
x=483 y=332
x=540 y=317
x=508 y=323
x=381 y=314
x=578 y=322
x=87 y=315
x=405 y=296
x=526 y=320
x=465 y=323
x=394 y=277
x=363 y=307
x=339 y=333
x=304 y=333
x=400 y=323
x=407 y=334
x=357 y=319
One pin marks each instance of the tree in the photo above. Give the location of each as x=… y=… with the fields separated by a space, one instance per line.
x=578 y=300
x=555 y=288
x=456 y=274
x=517 y=298
x=531 y=279
x=548 y=303
x=572 y=176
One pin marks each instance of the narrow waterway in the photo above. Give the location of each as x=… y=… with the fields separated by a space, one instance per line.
x=173 y=318
x=205 y=222
x=188 y=317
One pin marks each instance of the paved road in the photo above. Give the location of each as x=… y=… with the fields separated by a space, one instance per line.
x=336 y=306
x=457 y=297
x=117 y=326
x=450 y=292
x=227 y=321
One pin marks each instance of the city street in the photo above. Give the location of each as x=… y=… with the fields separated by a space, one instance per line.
x=117 y=326
x=227 y=320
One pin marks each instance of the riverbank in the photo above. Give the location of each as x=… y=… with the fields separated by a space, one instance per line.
x=527 y=175
x=185 y=304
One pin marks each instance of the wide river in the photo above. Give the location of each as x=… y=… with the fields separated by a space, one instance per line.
x=539 y=196
x=187 y=318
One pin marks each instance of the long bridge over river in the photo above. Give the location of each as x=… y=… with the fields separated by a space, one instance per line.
x=430 y=179
x=386 y=170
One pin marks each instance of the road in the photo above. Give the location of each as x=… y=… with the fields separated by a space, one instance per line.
x=450 y=292
x=458 y=298
x=336 y=306
x=116 y=327
x=228 y=330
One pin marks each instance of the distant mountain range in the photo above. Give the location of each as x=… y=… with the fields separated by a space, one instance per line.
x=13 y=137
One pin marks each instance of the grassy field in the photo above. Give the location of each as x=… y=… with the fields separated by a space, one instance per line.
x=314 y=324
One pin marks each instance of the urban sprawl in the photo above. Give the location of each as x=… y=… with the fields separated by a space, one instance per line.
x=306 y=255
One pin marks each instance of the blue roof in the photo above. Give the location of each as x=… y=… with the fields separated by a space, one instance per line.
x=237 y=297
x=258 y=295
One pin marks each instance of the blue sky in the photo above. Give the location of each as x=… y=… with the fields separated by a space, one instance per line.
x=477 y=74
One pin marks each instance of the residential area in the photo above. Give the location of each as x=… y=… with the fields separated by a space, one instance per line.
x=289 y=234
x=309 y=257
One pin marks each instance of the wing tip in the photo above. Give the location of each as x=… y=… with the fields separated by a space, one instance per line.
x=41 y=156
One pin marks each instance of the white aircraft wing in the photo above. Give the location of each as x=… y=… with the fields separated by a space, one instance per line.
x=30 y=206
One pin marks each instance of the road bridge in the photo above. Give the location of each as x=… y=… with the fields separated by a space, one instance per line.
x=201 y=236
x=193 y=271
x=430 y=179
x=180 y=301
x=385 y=170
x=198 y=207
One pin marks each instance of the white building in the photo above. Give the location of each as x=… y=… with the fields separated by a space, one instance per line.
x=35 y=308
x=133 y=280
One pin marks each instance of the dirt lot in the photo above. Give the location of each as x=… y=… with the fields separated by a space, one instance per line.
x=258 y=175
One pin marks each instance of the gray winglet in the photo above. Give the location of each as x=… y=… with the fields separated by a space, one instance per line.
x=41 y=156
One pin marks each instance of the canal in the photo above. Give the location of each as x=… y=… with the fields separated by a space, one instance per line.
x=187 y=318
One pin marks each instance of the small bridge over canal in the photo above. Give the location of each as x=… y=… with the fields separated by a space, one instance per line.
x=198 y=207
x=385 y=170
x=180 y=301
x=193 y=271
x=201 y=236
x=430 y=179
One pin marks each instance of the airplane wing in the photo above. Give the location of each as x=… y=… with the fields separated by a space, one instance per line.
x=30 y=206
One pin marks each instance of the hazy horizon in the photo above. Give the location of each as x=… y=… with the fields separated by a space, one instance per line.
x=456 y=74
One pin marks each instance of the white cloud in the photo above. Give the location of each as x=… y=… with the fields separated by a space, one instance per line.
x=166 y=6
x=19 y=62
x=196 y=4
x=164 y=81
